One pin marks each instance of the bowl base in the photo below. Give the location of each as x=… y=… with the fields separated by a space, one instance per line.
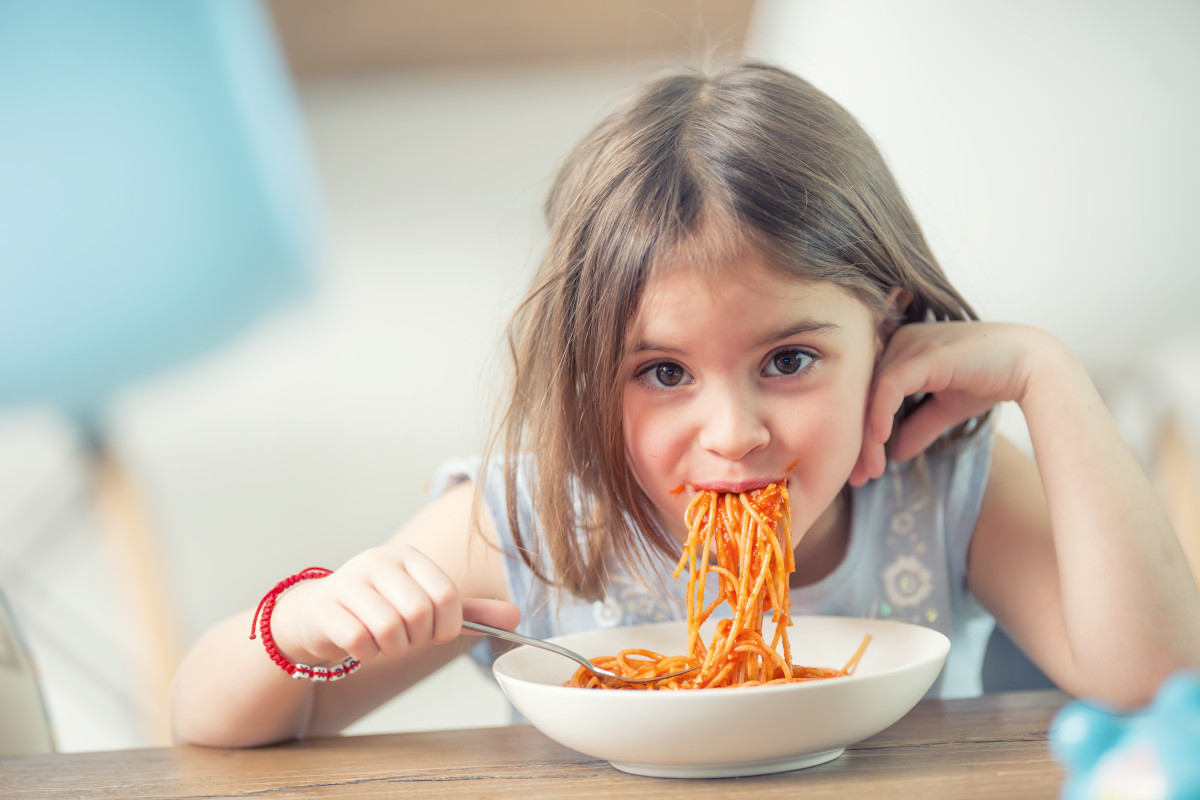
x=729 y=770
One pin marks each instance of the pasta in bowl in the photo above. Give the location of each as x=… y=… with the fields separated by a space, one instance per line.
x=734 y=731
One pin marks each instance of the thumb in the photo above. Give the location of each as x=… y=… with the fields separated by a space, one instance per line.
x=497 y=613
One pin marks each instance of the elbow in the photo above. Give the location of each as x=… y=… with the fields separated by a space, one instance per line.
x=1130 y=685
x=191 y=729
x=214 y=724
x=200 y=734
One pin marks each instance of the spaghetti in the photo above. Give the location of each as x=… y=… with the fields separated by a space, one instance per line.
x=749 y=533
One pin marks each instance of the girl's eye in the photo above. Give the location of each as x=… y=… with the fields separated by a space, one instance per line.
x=664 y=375
x=788 y=362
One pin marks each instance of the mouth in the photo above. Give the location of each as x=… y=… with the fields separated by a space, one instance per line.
x=735 y=487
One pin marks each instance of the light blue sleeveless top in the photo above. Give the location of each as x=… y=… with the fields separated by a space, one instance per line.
x=906 y=560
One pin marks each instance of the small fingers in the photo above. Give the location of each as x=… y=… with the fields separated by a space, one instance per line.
x=384 y=606
x=393 y=629
x=414 y=603
x=343 y=634
x=872 y=460
x=887 y=395
x=444 y=603
x=385 y=601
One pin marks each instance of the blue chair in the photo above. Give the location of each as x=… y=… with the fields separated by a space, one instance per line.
x=157 y=197
x=156 y=191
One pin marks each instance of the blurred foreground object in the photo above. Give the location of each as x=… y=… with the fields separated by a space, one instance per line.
x=157 y=198
x=1150 y=755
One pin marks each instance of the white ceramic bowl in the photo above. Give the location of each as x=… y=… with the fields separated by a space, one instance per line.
x=711 y=733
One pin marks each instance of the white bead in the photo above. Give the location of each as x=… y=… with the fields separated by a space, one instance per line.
x=320 y=674
x=302 y=672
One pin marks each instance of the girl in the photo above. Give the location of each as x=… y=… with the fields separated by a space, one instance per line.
x=734 y=292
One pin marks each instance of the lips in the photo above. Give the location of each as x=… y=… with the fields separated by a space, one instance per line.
x=735 y=486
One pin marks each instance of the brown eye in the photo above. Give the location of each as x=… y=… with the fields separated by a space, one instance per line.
x=669 y=374
x=788 y=362
x=664 y=375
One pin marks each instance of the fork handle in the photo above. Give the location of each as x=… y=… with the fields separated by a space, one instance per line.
x=510 y=636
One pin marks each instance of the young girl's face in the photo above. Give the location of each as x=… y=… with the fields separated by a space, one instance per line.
x=740 y=377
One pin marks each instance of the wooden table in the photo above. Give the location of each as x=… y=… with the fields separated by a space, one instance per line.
x=990 y=747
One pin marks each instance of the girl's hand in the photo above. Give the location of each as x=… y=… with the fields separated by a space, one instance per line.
x=383 y=601
x=964 y=367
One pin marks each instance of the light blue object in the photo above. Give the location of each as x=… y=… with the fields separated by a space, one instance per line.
x=156 y=190
x=1150 y=755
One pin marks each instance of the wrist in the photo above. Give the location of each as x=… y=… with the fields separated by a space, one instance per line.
x=260 y=627
x=1048 y=366
x=287 y=624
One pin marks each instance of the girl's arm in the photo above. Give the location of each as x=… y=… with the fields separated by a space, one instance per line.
x=1074 y=556
x=398 y=608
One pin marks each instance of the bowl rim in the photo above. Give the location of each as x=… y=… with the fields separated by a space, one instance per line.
x=939 y=651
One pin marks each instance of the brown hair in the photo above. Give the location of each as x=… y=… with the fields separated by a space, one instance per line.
x=697 y=166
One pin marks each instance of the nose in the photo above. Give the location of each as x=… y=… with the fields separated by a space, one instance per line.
x=732 y=426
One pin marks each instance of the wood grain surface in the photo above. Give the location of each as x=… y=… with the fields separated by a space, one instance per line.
x=988 y=747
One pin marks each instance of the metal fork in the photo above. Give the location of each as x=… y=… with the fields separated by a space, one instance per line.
x=562 y=651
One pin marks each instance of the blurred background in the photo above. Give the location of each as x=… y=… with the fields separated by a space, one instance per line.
x=255 y=260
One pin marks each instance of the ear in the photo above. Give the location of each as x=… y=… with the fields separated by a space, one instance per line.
x=897 y=300
x=893 y=312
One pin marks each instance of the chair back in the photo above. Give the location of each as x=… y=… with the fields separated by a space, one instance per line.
x=157 y=198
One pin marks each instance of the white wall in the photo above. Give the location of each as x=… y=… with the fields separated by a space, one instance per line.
x=1049 y=149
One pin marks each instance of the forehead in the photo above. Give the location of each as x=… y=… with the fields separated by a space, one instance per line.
x=745 y=295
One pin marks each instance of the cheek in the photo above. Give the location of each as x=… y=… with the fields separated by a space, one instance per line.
x=646 y=437
x=827 y=435
x=830 y=438
x=656 y=443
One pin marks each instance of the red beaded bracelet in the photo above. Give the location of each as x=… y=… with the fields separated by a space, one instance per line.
x=266 y=607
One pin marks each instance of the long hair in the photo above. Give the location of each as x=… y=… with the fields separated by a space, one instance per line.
x=699 y=167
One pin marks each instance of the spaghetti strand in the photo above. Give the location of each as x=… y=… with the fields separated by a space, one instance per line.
x=749 y=536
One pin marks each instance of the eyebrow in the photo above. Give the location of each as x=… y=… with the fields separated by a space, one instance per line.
x=804 y=327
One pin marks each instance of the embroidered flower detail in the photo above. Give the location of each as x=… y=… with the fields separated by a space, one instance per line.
x=903 y=522
x=907 y=582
